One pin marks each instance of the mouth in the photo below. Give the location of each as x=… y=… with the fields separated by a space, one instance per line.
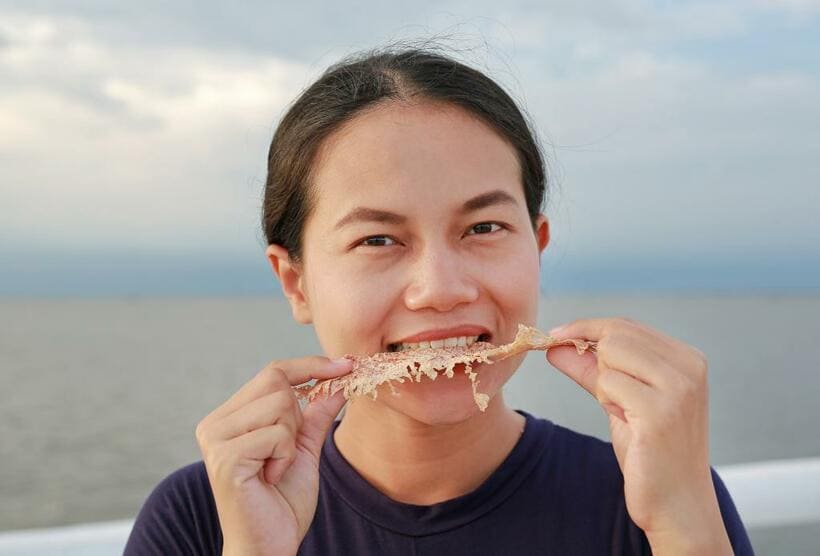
x=440 y=342
x=370 y=372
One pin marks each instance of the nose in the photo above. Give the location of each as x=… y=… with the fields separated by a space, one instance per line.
x=439 y=282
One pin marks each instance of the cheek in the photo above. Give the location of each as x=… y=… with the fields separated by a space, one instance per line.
x=348 y=314
x=515 y=279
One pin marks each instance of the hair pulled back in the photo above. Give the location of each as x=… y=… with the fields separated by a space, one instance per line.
x=365 y=80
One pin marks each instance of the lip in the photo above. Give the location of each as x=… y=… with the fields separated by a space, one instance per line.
x=441 y=333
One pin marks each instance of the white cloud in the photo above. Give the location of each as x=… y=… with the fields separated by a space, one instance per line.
x=795 y=8
x=106 y=145
x=662 y=157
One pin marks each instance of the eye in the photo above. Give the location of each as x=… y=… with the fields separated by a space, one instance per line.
x=483 y=228
x=377 y=241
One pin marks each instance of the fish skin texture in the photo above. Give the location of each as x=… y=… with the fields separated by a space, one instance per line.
x=370 y=372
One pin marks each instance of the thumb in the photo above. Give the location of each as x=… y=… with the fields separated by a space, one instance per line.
x=583 y=369
x=316 y=420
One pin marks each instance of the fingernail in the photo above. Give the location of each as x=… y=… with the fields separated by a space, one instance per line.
x=340 y=362
x=557 y=330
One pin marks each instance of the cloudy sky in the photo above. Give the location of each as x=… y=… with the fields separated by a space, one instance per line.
x=683 y=138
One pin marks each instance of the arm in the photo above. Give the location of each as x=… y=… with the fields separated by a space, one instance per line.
x=701 y=529
x=655 y=390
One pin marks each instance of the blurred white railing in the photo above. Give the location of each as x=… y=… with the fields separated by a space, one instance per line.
x=89 y=539
x=767 y=494
x=775 y=493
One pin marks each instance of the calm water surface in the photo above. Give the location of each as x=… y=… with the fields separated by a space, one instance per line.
x=99 y=398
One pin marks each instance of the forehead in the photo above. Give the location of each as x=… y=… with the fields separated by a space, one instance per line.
x=411 y=154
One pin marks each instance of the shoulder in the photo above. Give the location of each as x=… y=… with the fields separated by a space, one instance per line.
x=580 y=470
x=577 y=491
x=190 y=481
x=586 y=472
x=567 y=456
x=179 y=516
x=735 y=529
x=186 y=490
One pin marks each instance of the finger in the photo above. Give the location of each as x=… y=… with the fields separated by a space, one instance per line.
x=587 y=329
x=614 y=411
x=637 y=354
x=318 y=416
x=583 y=369
x=275 y=467
x=281 y=375
x=631 y=395
x=278 y=407
x=254 y=447
x=626 y=345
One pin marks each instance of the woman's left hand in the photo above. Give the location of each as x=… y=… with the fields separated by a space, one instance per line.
x=655 y=390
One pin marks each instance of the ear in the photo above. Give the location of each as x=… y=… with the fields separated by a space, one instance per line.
x=542 y=232
x=292 y=279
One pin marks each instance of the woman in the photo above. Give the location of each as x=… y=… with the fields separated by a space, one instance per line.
x=403 y=205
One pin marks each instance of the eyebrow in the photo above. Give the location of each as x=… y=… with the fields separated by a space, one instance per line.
x=365 y=214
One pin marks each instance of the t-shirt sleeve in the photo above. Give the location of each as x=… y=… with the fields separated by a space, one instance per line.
x=178 y=517
x=741 y=545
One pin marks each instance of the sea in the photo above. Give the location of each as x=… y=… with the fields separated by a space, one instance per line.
x=100 y=397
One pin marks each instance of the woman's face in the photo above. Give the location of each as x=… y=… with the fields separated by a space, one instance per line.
x=419 y=230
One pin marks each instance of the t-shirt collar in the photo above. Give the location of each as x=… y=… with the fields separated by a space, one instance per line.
x=339 y=478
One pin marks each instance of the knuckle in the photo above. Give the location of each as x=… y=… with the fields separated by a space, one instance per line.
x=280 y=402
x=274 y=378
x=278 y=430
x=219 y=464
x=201 y=433
x=701 y=363
x=282 y=435
x=678 y=381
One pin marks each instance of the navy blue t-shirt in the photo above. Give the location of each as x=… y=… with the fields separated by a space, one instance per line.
x=557 y=492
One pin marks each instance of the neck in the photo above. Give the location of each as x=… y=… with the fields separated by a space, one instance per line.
x=404 y=458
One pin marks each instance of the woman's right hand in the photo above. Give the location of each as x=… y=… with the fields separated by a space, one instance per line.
x=261 y=452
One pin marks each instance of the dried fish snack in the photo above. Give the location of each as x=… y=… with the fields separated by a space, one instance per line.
x=369 y=372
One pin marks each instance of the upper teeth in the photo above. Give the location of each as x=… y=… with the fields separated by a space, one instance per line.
x=446 y=342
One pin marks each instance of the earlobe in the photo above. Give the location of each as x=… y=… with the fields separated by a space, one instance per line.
x=290 y=276
x=542 y=232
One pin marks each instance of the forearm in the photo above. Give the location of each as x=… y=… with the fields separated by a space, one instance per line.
x=699 y=530
x=244 y=551
x=683 y=543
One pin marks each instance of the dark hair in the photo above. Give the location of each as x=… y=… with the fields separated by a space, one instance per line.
x=363 y=81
